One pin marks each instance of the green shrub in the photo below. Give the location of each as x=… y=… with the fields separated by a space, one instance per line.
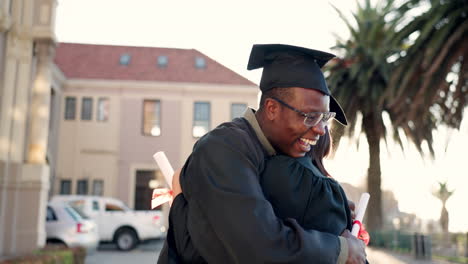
x=51 y=254
x=392 y=239
x=65 y=255
x=34 y=259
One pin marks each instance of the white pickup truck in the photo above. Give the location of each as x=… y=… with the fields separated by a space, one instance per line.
x=116 y=222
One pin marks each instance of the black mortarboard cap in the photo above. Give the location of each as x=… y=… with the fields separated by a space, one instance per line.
x=291 y=66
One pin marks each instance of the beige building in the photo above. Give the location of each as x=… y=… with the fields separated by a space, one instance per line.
x=90 y=122
x=27 y=44
x=122 y=104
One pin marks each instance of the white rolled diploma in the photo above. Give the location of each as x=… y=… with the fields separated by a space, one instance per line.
x=164 y=166
x=360 y=211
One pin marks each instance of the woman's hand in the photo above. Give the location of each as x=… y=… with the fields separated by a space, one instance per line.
x=176 y=189
x=356 y=249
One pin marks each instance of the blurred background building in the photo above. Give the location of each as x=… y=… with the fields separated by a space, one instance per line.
x=86 y=119
x=122 y=104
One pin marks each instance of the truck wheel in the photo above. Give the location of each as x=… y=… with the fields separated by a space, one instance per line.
x=126 y=239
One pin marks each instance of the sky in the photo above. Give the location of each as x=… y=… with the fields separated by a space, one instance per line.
x=226 y=31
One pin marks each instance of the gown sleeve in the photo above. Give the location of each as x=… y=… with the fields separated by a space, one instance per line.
x=178 y=246
x=230 y=220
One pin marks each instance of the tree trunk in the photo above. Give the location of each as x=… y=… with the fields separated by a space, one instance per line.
x=374 y=211
x=444 y=219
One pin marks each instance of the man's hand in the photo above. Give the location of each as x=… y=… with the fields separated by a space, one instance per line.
x=352 y=207
x=356 y=249
x=176 y=189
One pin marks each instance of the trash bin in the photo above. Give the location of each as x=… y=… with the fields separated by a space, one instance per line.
x=422 y=247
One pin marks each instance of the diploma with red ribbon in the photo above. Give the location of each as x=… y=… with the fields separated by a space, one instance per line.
x=358 y=229
x=162 y=195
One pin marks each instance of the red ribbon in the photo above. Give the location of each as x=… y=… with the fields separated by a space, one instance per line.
x=161 y=196
x=362 y=234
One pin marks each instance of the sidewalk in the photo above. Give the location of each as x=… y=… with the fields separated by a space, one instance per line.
x=380 y=256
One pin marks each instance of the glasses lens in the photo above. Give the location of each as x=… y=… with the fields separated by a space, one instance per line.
x=313 y=119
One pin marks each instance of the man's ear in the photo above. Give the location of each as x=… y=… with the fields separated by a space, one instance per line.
x=271 y=109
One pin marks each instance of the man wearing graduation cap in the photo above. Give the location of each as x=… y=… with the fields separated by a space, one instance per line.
x=222 y=215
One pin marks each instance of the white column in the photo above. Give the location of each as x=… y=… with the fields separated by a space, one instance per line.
x=23 y=49
x=6 y=106
x=40 y=103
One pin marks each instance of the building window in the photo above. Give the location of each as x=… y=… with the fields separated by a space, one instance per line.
x=82 y=187
x=163 y=61
x=98 y=187
x=237 y=110
x=152 y=117
x=65 y=187
x=70 y=108
x=86 y=108
x=125 y=59
x=200 y=63
x=201 y=119
x=103 y=110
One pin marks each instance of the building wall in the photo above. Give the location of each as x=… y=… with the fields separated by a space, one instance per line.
x=119 y=148
x=137 y=149
x=88 y=149
x=220 y=99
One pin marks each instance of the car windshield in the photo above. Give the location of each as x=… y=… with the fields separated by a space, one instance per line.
x=71 y=212
x=80 y=212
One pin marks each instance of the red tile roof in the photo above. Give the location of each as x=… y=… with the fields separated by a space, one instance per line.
x=89 y=61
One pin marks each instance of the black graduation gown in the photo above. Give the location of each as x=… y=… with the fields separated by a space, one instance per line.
x=297 y=189
x=226 y=214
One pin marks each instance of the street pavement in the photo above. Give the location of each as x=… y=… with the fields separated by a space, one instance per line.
x=108 y=253
x=379 y=256
x=148 y=253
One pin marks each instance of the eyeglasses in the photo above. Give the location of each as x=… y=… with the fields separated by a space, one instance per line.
x=310 y=119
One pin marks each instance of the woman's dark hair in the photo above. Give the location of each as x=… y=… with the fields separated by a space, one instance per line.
x=321 y=150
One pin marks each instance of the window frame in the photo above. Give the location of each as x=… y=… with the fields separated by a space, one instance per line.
x=62 y=181
x=83 y=99
x=78 y=186
x=162 y=61
x=158 y=118
x=98 y=111
x=237 y=104
x=125 y=59
x=65 y=116
x=194 y=120
x=200 y=62
x=93 y=189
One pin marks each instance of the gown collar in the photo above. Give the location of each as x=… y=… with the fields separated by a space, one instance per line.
x=249 y=115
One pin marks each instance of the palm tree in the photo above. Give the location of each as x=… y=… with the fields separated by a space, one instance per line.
x=429 y=86
x=359 y=79
x=443 y=194
x=373 y=61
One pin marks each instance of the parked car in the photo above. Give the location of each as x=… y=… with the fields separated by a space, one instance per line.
x=116 y=222
x=68 y=226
